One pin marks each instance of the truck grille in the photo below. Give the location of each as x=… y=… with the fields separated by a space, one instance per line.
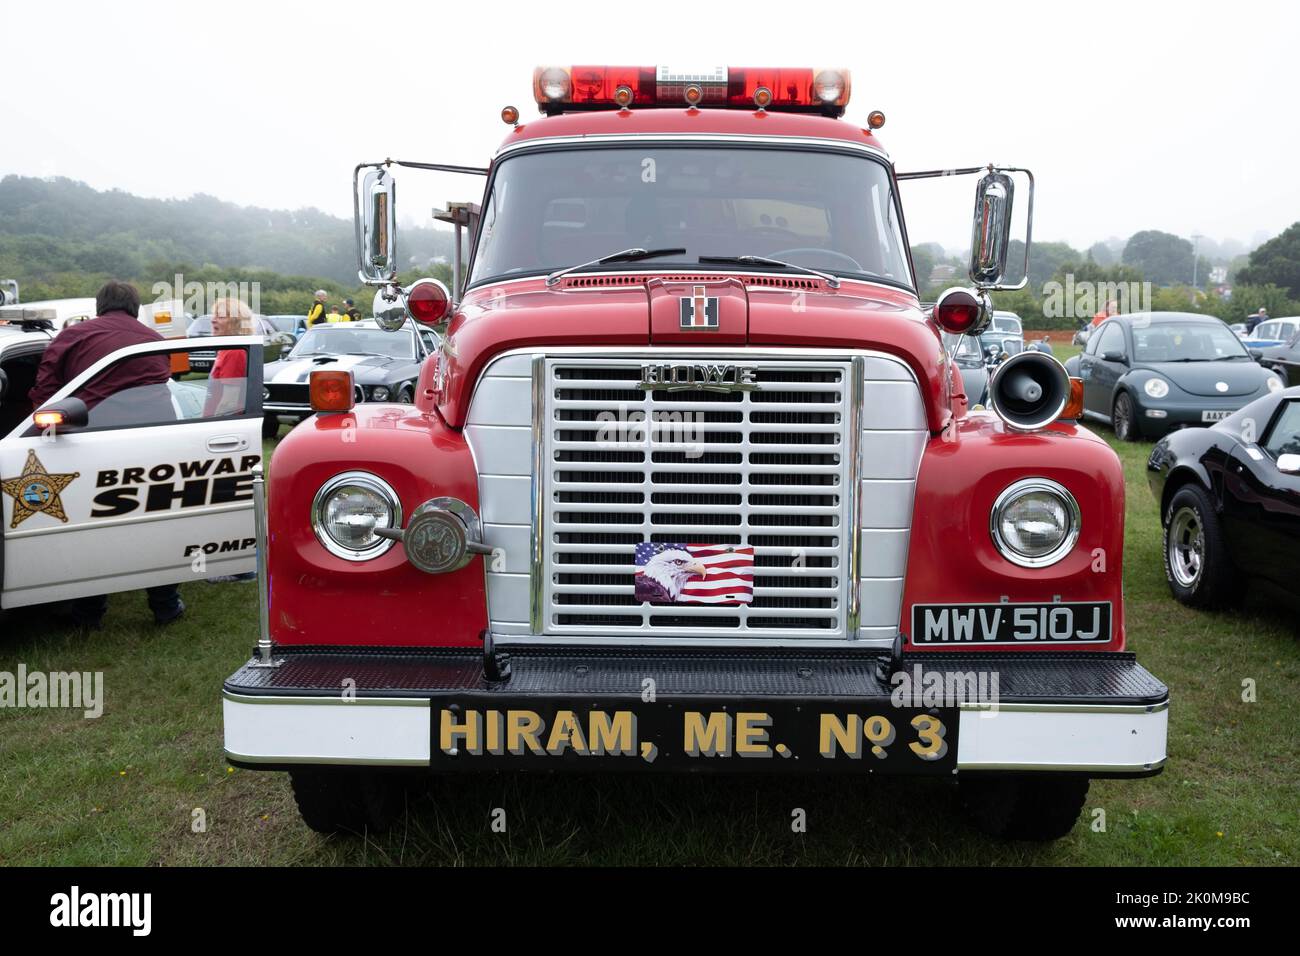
x=607 y=465
x=765 y=469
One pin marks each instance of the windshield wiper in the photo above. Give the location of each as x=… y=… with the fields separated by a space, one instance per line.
x=829 y=279
x=627 y=255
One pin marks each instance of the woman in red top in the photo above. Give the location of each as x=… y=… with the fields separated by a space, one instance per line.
x=229 y=376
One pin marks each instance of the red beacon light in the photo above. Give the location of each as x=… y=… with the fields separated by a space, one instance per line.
x=428 y=301
x=571 y=89
x=960 y=311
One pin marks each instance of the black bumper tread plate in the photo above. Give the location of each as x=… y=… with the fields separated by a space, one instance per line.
x=688 y=672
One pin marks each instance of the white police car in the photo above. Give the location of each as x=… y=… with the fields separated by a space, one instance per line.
x=130 y=492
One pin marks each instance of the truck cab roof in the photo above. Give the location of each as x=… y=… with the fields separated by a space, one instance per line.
x=687 y=122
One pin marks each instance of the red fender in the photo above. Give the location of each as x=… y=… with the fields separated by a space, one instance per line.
x=952 y=558
x=318 y=598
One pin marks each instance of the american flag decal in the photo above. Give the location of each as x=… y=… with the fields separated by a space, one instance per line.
x=693 y=574
x=699 y=311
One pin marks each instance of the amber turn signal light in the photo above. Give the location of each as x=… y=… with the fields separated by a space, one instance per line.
x=50 y=418
x=331 y=391
x=1074 y=407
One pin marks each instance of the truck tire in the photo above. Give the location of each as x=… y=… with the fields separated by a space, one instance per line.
x=1032 y=807
x=270 y=426
x=1197 y=566
x=338 y=800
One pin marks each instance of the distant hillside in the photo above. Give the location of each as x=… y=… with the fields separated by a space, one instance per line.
x=54 y=227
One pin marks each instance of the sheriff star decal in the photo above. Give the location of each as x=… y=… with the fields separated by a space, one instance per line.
x=36 y=491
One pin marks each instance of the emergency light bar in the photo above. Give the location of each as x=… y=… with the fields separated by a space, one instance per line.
x=567 y=89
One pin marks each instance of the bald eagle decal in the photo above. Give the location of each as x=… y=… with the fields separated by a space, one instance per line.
x=693 y=574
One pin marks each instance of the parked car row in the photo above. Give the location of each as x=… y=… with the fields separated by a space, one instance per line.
x=384 y=367
x=1225 y=467
x=1149 y=373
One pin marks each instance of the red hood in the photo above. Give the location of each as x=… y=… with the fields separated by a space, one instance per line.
x=793 y=313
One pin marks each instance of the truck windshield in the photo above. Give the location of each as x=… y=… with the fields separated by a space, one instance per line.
x=822 y=210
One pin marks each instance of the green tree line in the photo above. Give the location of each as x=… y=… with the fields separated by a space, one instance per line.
x=61 y=238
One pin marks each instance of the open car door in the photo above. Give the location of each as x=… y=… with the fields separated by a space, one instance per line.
x=154 y=487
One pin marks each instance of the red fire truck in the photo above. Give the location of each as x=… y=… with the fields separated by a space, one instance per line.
x=691 y=484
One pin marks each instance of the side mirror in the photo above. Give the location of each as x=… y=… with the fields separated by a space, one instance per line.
x=67 y=413
x=378 y=227
x=1113 y=356
x=1289 y=464
x=1256 y=354
x=991 y=229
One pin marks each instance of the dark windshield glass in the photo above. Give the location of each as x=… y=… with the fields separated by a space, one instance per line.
x=1186 y=341
x=827 y=211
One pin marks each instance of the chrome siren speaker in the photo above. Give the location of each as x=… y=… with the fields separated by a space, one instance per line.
x=1029 y=391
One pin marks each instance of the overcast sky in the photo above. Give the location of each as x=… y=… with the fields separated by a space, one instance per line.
x=1133 y=115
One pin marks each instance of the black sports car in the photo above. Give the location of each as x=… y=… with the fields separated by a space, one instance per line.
x=384 y=366
x=1283 y=359
x=1230 y=501
x=1148 y=373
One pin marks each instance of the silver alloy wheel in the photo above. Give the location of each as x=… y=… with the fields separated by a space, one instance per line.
x=1186 y=544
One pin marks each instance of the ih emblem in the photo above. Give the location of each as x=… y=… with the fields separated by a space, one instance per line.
x=699 y=311
x=36 y=490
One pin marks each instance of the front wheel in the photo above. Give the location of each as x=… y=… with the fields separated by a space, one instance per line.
x=270 y=426
x=1030 y=807
x=1197 y=566
x=343 y=799
x=1123 y=418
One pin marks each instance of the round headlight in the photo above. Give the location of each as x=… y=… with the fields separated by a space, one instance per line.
x=1035 y=523
x=347 y=510
x=1156 y=387
x=266 y=393
x=379 y=393
x=1275 y=384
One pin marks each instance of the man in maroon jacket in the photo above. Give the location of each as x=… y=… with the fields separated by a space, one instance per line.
x=78 y=347
x=75 y=349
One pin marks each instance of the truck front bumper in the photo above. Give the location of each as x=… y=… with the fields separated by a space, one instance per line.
x=682 y=709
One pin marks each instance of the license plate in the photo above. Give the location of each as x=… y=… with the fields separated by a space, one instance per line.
x=1215 y=416
x=766 y=735
x=983 y=625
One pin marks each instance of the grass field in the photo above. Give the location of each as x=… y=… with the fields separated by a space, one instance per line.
x=125 y=788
